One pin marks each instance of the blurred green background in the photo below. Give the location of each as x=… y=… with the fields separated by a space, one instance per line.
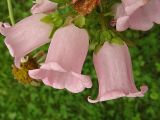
x=24 y=102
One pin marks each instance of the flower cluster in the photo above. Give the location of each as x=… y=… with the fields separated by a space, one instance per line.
x=71 y=27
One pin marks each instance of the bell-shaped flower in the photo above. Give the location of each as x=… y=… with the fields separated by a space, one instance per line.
x=43 y=6
x=137 y=14
x=114 y=72
x=25 y=36
x=65 y=58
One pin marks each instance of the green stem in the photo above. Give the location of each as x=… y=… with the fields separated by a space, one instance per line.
x=101 y=17
x=100 y=6
x=10 y=10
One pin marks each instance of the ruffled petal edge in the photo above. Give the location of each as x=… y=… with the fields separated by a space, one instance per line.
x=73 y=82
x=117 y=94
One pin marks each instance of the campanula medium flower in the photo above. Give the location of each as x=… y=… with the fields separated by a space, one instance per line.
x=137 y=14
x=65 y=59
x=114 y=72
x=27 y=35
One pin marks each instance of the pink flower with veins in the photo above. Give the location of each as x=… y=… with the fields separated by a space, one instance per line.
x=65 y=59
x=137 y=14
x=114 y=71
x=27 y=35
x=43 y=6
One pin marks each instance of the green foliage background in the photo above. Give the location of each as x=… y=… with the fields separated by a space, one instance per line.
x=19 y=102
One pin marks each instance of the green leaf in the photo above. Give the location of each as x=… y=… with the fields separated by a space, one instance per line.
x=55 y=15
x=55 y=18
x=105 y=36
x=58 y=22
x=79 y=21
x=47 y=19
x=117 y=40
x=65 y=11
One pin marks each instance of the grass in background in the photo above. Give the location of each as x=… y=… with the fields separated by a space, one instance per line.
x=23 y=102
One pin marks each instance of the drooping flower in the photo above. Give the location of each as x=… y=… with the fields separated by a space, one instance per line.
x=43 y=6
x=137 y=14
x=114 y=71
x=63 y=65
x=25 y=36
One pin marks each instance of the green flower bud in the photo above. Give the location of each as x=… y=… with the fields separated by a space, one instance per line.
x=79 y=21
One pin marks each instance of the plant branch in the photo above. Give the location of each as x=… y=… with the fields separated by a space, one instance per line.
x=10 y=10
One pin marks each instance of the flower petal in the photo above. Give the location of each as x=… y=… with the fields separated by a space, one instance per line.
x=122 y=23
x=114 y=71
x=3 y=28
x=140 y=21
x=43 y=6
x=142 y=14
x=152 y=10
x=60 y=79
x=65 y=59
x=26 y=36
x=132 y=5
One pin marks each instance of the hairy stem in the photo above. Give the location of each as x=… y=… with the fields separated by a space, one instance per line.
x=10 y=10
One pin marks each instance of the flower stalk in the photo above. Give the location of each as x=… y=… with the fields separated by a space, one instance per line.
x=10 y=10
x=102 y=22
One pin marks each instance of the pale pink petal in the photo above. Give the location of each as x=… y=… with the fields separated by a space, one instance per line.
x=140 y=21
x=114 y=72
x=65 y=59
x=132 y=5
x=43 y=6
x=142 y=15
x=58 y=79
x=121 y=18
x=152 y=10
x=120 y=11
x=26 y=36
x=122 y=23
x=3 y=28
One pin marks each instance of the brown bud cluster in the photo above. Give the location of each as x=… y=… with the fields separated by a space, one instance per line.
x=21 y=74
x=84 y=7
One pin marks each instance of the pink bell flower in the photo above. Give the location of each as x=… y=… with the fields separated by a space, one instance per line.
x=65 y=59
x=137 y=14
x=25 y=36
x=114 y=72
x=43 y=6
